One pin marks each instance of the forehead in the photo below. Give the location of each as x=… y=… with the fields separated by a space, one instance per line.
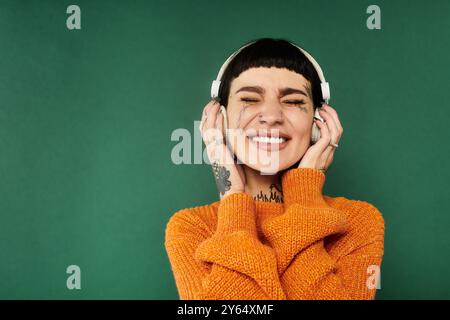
x=272 y=77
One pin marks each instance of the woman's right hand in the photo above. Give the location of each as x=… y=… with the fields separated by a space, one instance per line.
x=229 y=176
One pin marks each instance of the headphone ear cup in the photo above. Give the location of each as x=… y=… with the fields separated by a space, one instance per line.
x=315 y=133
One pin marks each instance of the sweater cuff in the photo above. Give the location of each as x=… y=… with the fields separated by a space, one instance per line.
x=303 y=186
x=236 y=212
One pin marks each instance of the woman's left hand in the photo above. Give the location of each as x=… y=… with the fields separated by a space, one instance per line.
x=320 y=155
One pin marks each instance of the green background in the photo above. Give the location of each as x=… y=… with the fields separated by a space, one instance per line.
x=86 y=117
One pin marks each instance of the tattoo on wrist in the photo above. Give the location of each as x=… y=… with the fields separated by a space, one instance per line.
x=274 y=196
x=222 y=175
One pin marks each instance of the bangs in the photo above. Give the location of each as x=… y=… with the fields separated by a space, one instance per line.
x=268 y=52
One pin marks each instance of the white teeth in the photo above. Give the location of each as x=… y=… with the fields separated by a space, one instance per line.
x=267 y=139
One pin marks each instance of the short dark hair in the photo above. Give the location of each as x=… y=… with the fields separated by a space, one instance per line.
x=270 y=52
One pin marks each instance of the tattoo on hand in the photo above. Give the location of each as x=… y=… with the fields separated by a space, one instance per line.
x=275 y=195
x=222 y=175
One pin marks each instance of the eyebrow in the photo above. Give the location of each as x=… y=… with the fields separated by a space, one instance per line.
x=283 y=91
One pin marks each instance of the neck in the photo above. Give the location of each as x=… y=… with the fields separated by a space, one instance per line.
x=263 y=187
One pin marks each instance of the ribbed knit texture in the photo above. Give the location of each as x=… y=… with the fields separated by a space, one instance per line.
x=311 y=246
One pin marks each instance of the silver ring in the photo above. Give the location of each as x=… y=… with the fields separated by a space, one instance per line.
x=334 y=144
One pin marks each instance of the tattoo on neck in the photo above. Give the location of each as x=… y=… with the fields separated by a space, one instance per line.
x=274 y=196
x=222 y=175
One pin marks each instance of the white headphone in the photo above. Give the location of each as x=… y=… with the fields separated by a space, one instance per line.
x=324 y=85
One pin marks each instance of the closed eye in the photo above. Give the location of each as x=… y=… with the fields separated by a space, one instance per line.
x=291 y=102
x=249 y=100
x=295 y=102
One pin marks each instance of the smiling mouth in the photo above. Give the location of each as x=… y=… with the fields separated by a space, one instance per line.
x=271 y=140
x=269 y=143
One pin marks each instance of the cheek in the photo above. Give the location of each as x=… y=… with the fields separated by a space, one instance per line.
x=301 y=127
x=239 y=117
x=300 y=139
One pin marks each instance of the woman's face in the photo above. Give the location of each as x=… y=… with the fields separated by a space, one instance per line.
x=266 y=102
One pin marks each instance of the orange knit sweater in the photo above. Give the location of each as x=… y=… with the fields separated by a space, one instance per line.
x=311 y=246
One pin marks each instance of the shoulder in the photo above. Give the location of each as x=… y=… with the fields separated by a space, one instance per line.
x=188 y=222
x=361 y=214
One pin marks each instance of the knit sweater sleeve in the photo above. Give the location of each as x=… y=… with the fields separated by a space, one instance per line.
x=230 y=262
x=300 y=235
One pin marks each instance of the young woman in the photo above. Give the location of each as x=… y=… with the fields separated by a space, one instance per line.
x=273 y=234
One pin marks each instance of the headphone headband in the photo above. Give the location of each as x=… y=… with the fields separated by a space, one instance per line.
x=324 y=85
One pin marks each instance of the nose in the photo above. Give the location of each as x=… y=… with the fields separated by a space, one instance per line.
x=271 y=113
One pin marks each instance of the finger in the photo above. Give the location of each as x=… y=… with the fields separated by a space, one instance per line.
x=327 y=155
x=211 y=116
x=208 y=121
x=335 y=116
x=205 y=114
x=325 y=138
x=219 y=122
x=202 y=121
x=334 y=135
x=209 y=106
x=212 y=134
